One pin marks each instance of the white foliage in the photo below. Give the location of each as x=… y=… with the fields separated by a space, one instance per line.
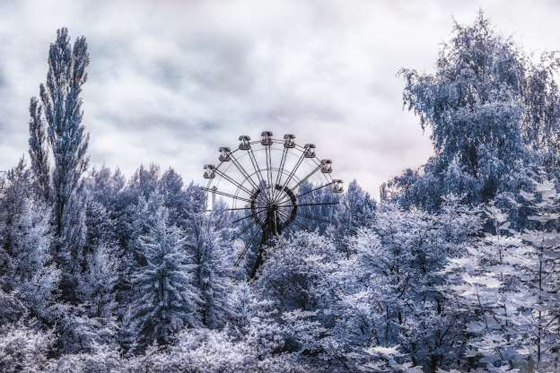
x=23 y=349
x=509 y=279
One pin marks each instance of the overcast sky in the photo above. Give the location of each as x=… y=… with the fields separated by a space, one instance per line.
x=170 y=81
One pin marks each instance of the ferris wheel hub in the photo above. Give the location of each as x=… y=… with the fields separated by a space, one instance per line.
x=280 y=201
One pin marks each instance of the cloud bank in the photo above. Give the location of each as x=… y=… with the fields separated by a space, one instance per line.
x=170 y=81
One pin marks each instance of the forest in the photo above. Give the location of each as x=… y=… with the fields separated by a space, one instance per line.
x=454 y=268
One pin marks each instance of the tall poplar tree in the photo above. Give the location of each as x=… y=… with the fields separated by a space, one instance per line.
x=56 y=130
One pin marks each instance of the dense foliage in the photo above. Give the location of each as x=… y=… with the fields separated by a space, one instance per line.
x=456 y=269
x=493 y=115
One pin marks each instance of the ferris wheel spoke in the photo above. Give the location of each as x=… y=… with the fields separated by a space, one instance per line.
x=257 y=169
x=313 y=204
x=287 y=218
x=245 y=229
x=268 y=155
x=236 y=183
x=315 y=189
x=246 y=248
x=227 y=195
x=308 y=192
x=284 y=214
x=287 y=209
x=278 y=193
x=263 y=209
x=243 y=171
x=241 y=255
x=293 y=171
x=301 y=181
x=229 y=209
x=305 y=178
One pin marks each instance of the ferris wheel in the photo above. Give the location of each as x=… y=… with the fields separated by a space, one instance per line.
x=267 y=183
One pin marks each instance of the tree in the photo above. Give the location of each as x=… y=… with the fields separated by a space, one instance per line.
x=60 y=117
x=360 y=206
x=297 y=296
x=62 y=105
x=106 y=187
x=509 y=281
x=395 y=286
x=24 y=349
x=144 y=181
x=25 y=240
x=208 y=351
x=295 y=274
x=39 y=151
x=33 y=275
x=488 y=107
x=103 y=359
x=212 y=259
x=165 y=298
x=171 y=188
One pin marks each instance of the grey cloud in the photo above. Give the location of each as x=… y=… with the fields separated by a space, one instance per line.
x=171 y=81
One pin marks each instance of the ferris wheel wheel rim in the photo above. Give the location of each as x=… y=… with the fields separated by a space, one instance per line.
x=214 y=183
x=316 y=160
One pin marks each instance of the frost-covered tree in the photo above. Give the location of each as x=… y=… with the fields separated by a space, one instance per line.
x=173 y=193
x=144 y=181
x=165 y=299
x=275 y=341
x=395 y=285
x=97 y=282
x=105 y=186
x=25 y=261
x=510 y=282
x=360 y=207
x=24 y=349
x=62 y=109
x=295 y=275
x=33 y=275
x=16 y=189
x=78 y=332
x=103 y=359
x=208 y=351
x=242 y=299
x=106 y=210
x=212 y=259
x=297 y=294
x=132 y=217
x=490 y=111
x=136 y=219
x=98 y=266
x=58 y=120
x=39 y=150
x=519 y=290
x=485 y=287
x=378 y=359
